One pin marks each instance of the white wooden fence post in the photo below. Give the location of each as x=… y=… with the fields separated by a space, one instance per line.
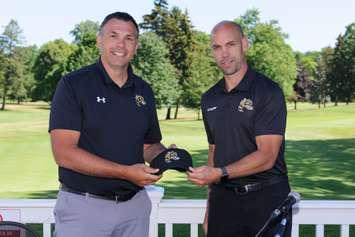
x=156 y=194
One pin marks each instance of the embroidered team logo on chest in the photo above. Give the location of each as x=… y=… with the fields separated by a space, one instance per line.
x=245 y=104
x=140 y=100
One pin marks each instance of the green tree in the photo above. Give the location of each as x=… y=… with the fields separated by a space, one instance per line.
x=9 y=40
x=57 y=58
x=268 y=52
x=335 y=78
x=180 y=43
x=2 y=69
x=319 y=90
x=83 y=29
x=153 y=65
x=23 y=87
x=341 y=79
x=248 y=22
x=49 y=67
x=350 y=45
x=17 y=90
x=155 y=21
x=203 y=72
x=175 y=28
x=306 y=69
x=13 y=70
x=85 y=51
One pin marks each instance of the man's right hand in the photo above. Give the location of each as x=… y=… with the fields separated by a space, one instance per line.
x=204 y=175
x=141 y=175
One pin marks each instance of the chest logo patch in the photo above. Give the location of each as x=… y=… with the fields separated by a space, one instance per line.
x=211 y=108
x=170 y=156
x=140 y=100
x=245 y=104
x=100 y=99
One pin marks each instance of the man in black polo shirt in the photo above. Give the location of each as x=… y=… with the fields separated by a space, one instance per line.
x=245 y=118
x=103 y=127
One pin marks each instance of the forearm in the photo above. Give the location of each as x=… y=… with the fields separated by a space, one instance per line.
x=67 y=154
x=152 y=150
x=264 y=158
x=208 y=198
x=253 y=163
x=81 y=161
x=205 y=220
x=210 y=161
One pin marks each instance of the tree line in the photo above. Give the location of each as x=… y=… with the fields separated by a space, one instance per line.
x=175 y=58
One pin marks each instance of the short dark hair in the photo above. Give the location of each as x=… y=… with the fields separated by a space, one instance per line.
x=123 y=16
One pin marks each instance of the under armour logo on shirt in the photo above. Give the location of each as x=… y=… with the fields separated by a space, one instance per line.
x=101 y=100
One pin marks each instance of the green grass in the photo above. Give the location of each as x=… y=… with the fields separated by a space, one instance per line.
x=320 y=152
x=25 y=156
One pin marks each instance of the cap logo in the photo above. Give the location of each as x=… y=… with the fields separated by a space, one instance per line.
x=140 y=100
x=170 y=156
x=245 y=104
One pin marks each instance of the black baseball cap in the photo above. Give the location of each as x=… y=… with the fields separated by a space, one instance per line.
x=173 y=158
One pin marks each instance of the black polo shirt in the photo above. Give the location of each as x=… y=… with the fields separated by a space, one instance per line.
x=233 y=119
x=113 y=122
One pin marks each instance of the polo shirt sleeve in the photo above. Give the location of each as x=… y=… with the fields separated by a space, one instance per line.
x=207 y=128
x=153 y=134
x=65 y=108
x=271 y=114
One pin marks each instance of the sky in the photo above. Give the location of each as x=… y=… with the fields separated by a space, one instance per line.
x=310 y=24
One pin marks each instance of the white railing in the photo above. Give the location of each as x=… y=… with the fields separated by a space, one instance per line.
x=170 y=211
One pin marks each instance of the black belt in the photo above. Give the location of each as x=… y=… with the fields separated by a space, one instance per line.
x=117 y=197
x=244 y=189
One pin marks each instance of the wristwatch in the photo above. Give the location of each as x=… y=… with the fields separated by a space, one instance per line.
x=225 y=175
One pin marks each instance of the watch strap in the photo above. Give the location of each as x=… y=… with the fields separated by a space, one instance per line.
x=225 y=174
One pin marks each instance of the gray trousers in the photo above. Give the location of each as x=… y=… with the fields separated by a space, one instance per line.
x=79 y=216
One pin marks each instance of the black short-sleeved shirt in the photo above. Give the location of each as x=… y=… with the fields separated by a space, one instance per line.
x=114 y=122
x=233 y=119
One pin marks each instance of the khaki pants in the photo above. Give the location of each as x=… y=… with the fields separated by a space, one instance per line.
x=81 y=216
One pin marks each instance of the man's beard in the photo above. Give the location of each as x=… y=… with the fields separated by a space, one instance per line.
x=235 y=70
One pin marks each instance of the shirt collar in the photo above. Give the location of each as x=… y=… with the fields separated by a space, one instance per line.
x=244 y=84
x=107 y=79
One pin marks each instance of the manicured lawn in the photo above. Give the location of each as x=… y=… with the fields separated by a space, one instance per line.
x=320 y=153
x=25 y=157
